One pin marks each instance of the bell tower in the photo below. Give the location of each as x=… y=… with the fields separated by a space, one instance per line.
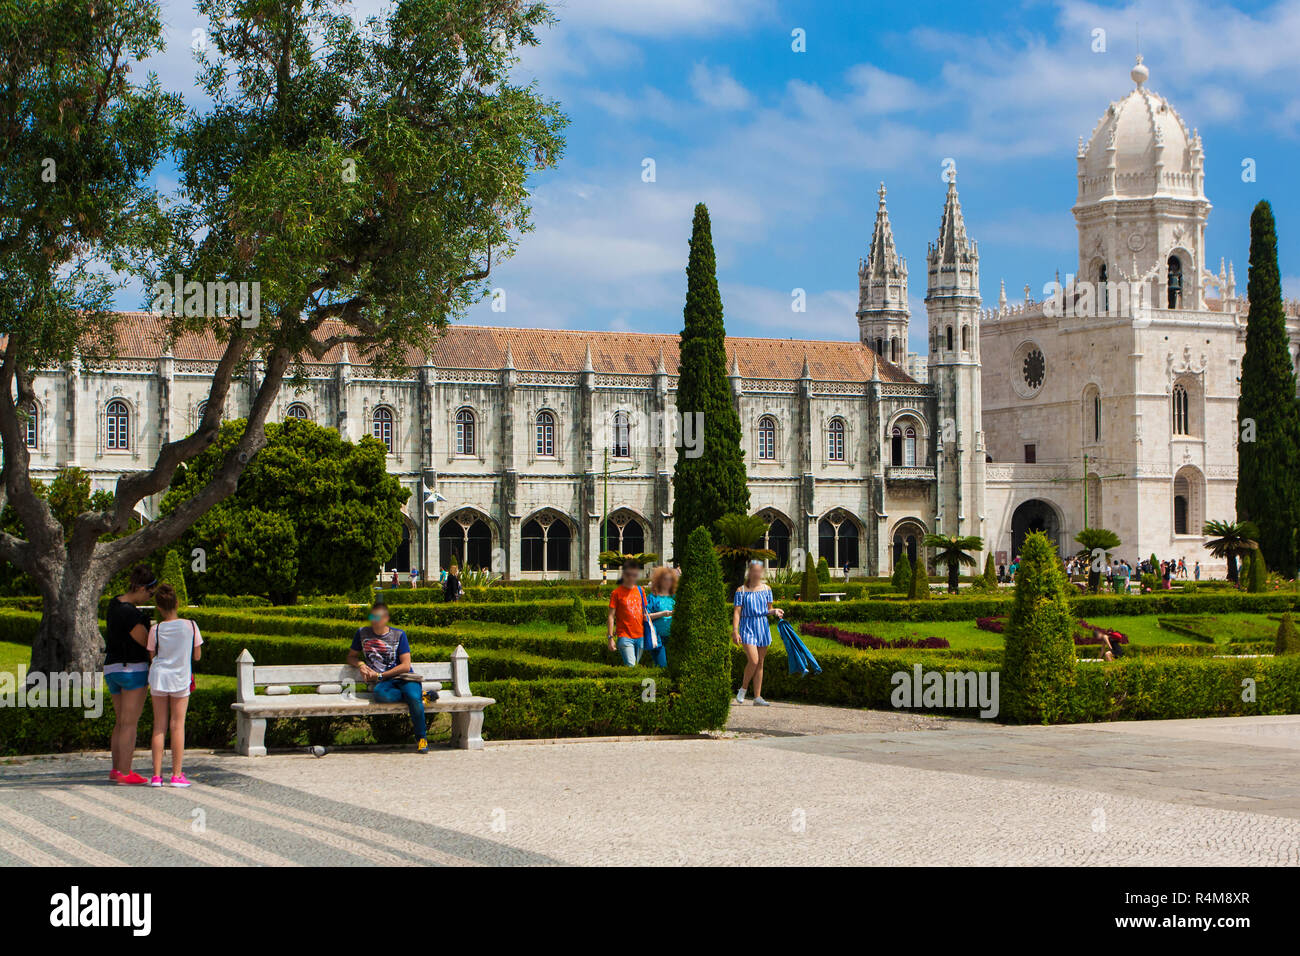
x=952 y=302
x=883 y=313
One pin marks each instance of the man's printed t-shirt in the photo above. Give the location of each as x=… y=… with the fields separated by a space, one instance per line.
x=381 y=652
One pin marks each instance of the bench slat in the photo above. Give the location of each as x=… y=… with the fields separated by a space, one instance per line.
x=303 y=674
x=307 y=705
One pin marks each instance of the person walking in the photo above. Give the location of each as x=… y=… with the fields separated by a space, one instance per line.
x=626 y=623
x=751 y=631
x=1196 y=573
x=660 y=602
x=174 y=644
x=451 y=589
x=126 y=669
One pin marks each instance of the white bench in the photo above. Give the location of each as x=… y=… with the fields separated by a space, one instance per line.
x=834 y=595
x=336 y=695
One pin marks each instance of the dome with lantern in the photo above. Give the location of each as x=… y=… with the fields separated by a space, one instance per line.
x=1140 y=148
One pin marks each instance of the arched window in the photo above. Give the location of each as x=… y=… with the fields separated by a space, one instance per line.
x=622 y=446
x=1175 y=282
x=33 y=425
x=464 y=432
x=1103 y=294
x=903 y=446
x=623 y=533
x=1189 y=501
x=1181 y=409
x=950 y=338
x=835 y=440
x=297 y=411
x=545 y=542
x=893 y=350
x=465 y=540
x=837 y=540
x=1091 y=414
x=381 y=426
x=767 y=438
x=880 y=346
x=117 y=419
x=776 y=538
x=965 y=338
x=546 y=436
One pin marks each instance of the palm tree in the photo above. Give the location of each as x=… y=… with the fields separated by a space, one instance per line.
x=737 y=537
x=953 y=550
x=1230 y=539
x=1094 y=540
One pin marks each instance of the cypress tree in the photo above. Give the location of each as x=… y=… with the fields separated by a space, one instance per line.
x=918 y=588
x=810 y=588
x=1268 y=467
x=1038 y=662
x=173 y=574
x=700 y=661
x=902 y=577
x=577 y=616
x=1258 y=579
x=712 y=484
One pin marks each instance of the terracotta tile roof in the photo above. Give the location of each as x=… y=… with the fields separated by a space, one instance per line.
x=141 y=335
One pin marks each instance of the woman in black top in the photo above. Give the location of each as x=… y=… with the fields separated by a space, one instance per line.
x=451 y=589
x=126 y=669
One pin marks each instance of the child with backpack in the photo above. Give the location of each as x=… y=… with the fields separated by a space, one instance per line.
x=174 y=644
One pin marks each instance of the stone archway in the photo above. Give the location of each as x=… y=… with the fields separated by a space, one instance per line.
x=1035 y=515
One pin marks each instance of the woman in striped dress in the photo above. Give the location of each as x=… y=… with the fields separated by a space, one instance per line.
x=750 y=629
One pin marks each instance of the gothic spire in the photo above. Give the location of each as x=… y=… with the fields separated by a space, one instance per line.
x=953 y=244
x=882 y=258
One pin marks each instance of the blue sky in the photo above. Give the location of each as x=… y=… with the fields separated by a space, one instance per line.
x=787 y=148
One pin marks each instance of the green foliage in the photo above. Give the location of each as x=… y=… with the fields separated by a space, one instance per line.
x=173 y=574
x=272 y=538
x=699 y=662
x=1288 y=640
x=712 y=484
x=1257 y=576
x=823 y=570
x=68 y=495
x=1039 y=660
x=1231 y=540
x=1268 y=467
x=577 y=617
x=810 y=588
x=1092 y=540
x=737 y=537
x=918 y=585
x=989 y=582
x=953 y=551
x=902 y=576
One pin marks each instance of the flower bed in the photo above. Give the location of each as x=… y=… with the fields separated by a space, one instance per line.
x=870 y=641
x=997 y=625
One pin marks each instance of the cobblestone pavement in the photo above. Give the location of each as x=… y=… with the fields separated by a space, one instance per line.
x=862 y=788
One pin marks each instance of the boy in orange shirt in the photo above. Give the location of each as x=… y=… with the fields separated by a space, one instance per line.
x=626 y=625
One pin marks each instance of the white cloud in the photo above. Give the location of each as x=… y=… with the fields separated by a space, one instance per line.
x=718 y=88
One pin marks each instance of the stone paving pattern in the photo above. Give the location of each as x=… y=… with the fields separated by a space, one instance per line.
x=783 y=785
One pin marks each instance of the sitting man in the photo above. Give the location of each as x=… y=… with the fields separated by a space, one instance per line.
x=383 y=655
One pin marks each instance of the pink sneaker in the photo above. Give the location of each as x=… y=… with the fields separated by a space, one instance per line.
x=113 y=775
x=131 y=779
x=155 y=781
x=178 y=780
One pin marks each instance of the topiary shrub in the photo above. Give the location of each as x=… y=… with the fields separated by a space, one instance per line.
x=699 y=664
x=902 y=577
x=1288 y=640
x=918 y=588
x=173 y=573
x=1257 y=579
x=823 y=571
x=1039 y=659
x=809 y=587
x=578 y=617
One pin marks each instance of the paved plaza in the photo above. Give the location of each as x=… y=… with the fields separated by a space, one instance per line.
x=784 y=785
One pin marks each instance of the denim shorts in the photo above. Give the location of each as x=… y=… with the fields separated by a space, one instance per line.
x=119 y=681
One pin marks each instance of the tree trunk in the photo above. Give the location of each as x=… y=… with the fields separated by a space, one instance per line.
x=952 y=577
x=69 y=639
x=1094 y=581
x=1232 y=568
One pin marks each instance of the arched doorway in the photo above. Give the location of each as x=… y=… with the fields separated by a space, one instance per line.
x=777 y=537
x=546 y=543
x=465 y=539
x=623 y=532
x=1034 y=515
x=837 y=539
x=907 y=540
